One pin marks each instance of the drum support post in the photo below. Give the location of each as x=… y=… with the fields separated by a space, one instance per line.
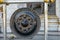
x=4 y=21
x=46 y=20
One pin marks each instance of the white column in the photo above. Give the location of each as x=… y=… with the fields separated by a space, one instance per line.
x=4 y=22
x=46 y=20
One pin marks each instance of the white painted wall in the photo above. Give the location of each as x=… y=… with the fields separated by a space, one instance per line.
x=10 y=10
x=58 y=8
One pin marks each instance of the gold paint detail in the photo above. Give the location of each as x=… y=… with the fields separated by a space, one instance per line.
x=46 y=1
x=1 y=1
x=52 y=1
